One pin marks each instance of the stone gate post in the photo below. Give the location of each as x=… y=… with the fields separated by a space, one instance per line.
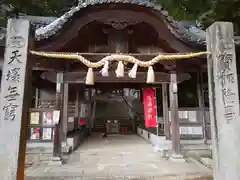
x=15 y=99
x=224 y=101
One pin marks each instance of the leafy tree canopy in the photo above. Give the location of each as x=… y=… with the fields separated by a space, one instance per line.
x=41 y=7
x=206 y=11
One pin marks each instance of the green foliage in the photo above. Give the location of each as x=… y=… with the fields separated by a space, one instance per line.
x=223 y=10
x=206 y=11
x=41 y=7
x=186 y=9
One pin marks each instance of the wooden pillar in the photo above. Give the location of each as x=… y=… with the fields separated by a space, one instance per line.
x=201 y=103
x=64 y=123
x=76 y=122
x=165 y=111
x=174 y=114
x=224 y=101
x=16 y=96
x=36 y=98
x=89 y=110
x=57 y=152
x=77 y=104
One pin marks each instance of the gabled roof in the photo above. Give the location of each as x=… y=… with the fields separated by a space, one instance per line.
x=47 y=27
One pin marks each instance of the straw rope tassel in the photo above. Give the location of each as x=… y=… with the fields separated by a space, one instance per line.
x=120 y=69
x=150 y=75
x=133 y=72
x=90 y=77
x=104 y=70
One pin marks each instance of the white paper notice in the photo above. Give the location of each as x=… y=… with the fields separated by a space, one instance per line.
x=70 y=119
x=56 y=116
x=192 y=116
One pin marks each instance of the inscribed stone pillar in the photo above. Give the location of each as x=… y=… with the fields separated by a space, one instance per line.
x=224 y=101
x=15 y=100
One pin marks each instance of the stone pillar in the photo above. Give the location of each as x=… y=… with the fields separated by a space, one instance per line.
x=224 y=101
x=16 y=96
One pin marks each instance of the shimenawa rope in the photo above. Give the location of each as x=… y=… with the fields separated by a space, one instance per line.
x=120 y=58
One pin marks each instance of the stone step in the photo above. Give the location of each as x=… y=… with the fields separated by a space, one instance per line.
x=169 y=177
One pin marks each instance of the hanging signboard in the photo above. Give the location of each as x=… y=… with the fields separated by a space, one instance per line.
x=149 y=107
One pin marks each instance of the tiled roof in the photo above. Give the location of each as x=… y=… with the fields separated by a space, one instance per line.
x=183 y=30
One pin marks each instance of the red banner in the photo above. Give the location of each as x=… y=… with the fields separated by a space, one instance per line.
x=82 y=120
x=149 y=107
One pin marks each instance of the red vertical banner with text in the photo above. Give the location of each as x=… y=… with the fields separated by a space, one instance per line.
x=149 y=107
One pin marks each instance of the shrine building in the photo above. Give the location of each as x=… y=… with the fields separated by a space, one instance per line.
x=95 y=29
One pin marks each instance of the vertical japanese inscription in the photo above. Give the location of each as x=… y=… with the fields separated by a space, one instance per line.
x=12 y=76
x=12 y=97
x=150 y=107
x=227 y=74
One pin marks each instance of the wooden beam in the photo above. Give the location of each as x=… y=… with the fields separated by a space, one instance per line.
x=15 y=99
x=224 y=101
x=79 y=77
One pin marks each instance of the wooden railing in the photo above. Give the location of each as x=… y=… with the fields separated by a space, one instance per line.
x=194 y=123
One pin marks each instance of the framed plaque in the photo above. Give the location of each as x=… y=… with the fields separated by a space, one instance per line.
x=34 y=133
x=34 y=117
x=47 y=118
x=47 y=134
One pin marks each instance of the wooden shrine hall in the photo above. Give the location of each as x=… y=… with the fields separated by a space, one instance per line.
x=98 y=28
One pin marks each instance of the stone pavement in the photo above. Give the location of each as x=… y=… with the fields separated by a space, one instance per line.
x=118 y=157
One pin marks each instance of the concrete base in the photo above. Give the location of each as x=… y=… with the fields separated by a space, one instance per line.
x=75 y=140
x=207 y=162
x=54 y=161
x=66 y=149
x=177 y=158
